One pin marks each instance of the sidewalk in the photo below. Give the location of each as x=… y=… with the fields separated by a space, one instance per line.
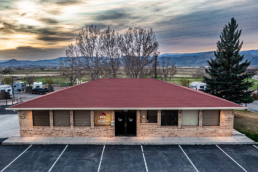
x=240 y=139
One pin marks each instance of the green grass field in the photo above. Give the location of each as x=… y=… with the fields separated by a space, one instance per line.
x=56 y=79
x=175 y=80
x=255 y=86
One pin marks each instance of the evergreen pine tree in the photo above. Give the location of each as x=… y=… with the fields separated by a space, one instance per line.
x=227 y=73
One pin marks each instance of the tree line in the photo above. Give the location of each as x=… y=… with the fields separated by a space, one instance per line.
x=99 y=52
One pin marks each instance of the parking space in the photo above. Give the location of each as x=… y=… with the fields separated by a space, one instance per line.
x=129 y=158
x=166 y=158
x=37 y=158
x=122 y=158
x=79 y=158
x=9 y=153
x=210 y=158
x=245 y=155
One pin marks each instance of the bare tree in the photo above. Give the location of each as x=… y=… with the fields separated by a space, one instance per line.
x=41 y=68
x=30 y=80
x=6 y=70
x=110 y=50
x=69 y=65
x=172 y=71
x=165 y=63
x=138 y=47
x=88 y=42
x=199 y=72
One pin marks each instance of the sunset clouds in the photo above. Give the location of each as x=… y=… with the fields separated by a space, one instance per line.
x=42 y=29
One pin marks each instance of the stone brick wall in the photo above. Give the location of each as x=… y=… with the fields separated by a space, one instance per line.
x=156 y=130
x=28 y=130
x=143 y=130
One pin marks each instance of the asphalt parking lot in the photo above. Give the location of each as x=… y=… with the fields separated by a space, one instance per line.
x=129 y=158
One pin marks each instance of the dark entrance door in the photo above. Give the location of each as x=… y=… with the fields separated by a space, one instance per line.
x=125 y=123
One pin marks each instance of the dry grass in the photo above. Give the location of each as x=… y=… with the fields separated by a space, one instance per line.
x=247 y=123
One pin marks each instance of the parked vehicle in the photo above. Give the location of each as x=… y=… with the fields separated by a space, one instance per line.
x=37 y=85
x=19 y=86
x=39 y=91
x=198 y=86
x=7 y=88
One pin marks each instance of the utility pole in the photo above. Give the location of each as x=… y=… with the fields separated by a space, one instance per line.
x=246 y=89
x=13 y=89
x=155 y=70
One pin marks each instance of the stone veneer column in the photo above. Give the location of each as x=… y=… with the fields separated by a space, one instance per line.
x=51 y=121
x=92 y=118
x=112 y=115
x=180 y=119
x=138 y=116
x=159 y=117
x=200 y=118
x=71 y=119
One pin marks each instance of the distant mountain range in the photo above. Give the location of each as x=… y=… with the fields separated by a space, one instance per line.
x=200 y=59
x=28 y=63
x=187 y=59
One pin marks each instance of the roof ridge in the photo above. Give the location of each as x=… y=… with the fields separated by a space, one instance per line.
x=51 y=93
x=200 y=92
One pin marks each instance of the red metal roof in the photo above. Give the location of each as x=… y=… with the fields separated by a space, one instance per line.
x=127 y=93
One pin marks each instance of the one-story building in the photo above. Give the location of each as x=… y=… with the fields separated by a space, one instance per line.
x=126 y=107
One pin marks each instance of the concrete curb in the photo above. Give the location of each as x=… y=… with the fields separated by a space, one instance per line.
x=30 y=143
x=235 y=140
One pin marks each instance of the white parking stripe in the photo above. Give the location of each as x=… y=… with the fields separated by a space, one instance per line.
x=255 y=146
x=188 y=158
x=231 y=158
x=57 y=159
x=101 y=157
x=15 y=159
x=144 y=160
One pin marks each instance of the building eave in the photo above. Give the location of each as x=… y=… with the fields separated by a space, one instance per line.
x=136 y=108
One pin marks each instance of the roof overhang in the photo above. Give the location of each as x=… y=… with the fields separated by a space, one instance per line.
x=136 y=108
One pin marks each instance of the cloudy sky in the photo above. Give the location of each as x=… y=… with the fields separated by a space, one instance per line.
x=42 y=29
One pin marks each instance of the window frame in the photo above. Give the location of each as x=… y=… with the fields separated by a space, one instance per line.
x=198 y=119
x=211 y=125
x=61 y=125
x=33 y=119
x=177 y=122
x=148 y=118
x=81 y=125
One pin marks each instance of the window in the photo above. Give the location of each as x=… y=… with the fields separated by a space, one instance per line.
x=169 y=118
x=211 y=118
x=40 y=118
x=61 y=118
x=190 y=118
x=149 y=116
x=81 y=118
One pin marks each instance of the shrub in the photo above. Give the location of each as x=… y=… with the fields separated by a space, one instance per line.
x=49 y=81
x=184 y=82
x=8 y=80
x=30 y=80
x=255 y=96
